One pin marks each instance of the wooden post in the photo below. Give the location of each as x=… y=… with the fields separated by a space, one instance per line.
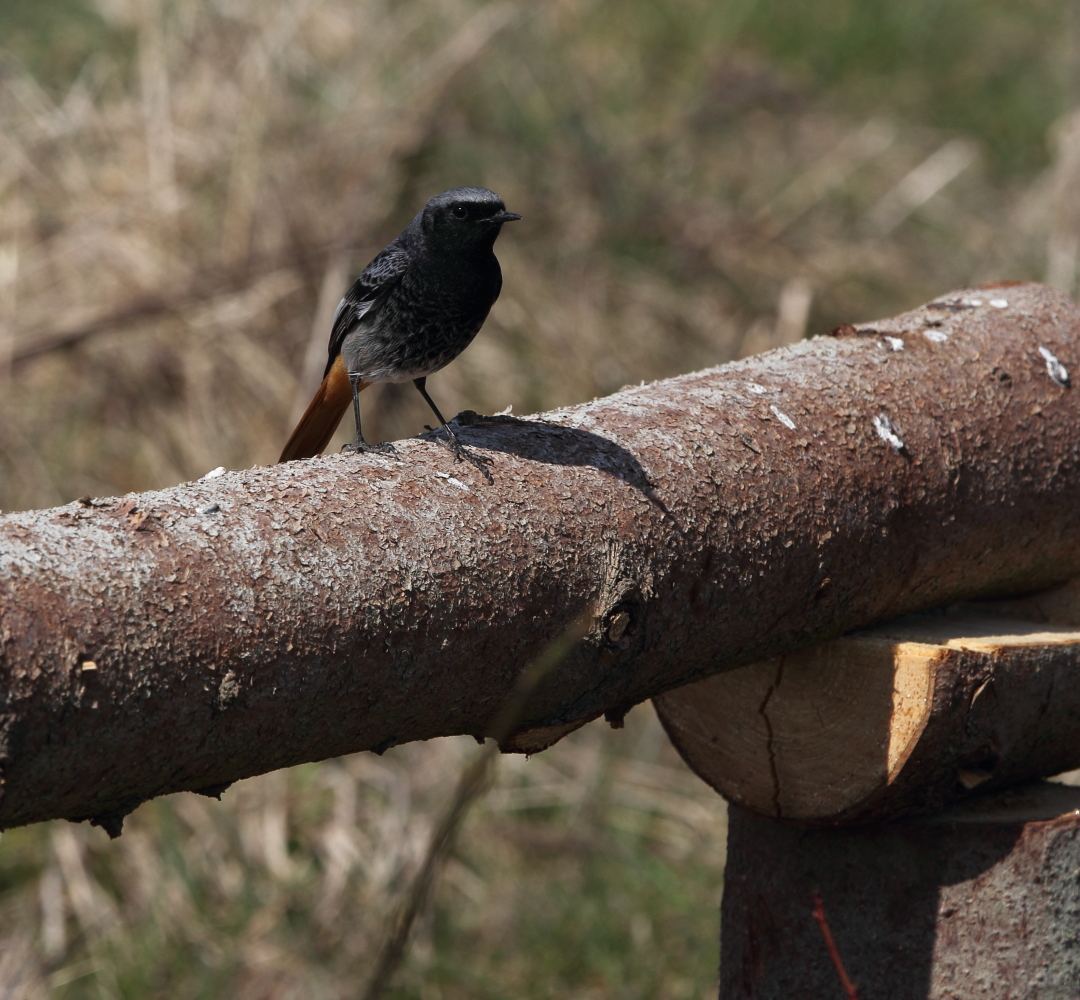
x=980 y=902
x=826 y=753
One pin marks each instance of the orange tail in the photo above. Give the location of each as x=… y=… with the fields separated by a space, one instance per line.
x=322 y=416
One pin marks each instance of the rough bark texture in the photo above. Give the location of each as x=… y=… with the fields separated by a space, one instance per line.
x=188 y=637
x=979 y=903
x=900 y=718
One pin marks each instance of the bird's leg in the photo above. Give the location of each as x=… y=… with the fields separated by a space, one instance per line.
x=386 y=448
x=459 y=450
x=354 y=382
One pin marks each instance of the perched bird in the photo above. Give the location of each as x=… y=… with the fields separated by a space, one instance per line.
x=414 y=309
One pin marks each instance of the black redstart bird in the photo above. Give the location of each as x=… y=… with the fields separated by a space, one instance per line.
x=414 y=309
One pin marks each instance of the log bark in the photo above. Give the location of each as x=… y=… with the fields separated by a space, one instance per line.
x=188 y=637
x=904 y=717
x=977 y=903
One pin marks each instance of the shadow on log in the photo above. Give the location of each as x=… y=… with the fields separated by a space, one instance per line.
x=186 y=638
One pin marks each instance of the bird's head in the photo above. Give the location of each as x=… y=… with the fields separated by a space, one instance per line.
x=464 y=219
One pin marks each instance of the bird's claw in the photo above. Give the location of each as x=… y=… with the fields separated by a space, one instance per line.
x=460 y=453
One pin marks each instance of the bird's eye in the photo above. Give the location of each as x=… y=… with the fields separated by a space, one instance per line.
x=460 y=211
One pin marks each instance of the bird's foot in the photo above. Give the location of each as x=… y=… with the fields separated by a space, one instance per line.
x=461 y=453
x=384 y=448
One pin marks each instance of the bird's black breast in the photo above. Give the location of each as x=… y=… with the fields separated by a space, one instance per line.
x=425 y=320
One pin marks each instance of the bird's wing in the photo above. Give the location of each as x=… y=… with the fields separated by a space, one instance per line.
x=381 y=275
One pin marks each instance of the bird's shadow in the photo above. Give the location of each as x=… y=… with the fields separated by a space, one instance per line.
x=554 y=444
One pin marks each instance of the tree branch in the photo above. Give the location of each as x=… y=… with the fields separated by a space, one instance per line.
x=188 y=637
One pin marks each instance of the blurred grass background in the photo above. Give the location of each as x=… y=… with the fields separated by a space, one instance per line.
x=186 y=187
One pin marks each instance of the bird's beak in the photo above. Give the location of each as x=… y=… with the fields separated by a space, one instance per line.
x=505 y=217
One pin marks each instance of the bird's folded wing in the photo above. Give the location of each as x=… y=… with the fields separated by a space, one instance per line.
x=375 y=281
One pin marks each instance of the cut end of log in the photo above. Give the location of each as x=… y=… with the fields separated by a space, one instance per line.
x=900 y=718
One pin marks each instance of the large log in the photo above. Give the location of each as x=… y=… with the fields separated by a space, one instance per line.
x=186 y=638
x=900 y=718
x=976 y=903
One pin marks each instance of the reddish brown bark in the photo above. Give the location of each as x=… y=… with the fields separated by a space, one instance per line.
x=279 y=615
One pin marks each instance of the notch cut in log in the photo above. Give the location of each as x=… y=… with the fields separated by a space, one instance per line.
x=975 y=903
x=188 y=637
x=903 y=717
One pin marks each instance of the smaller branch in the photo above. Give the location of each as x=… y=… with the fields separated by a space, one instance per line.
x=823 y=922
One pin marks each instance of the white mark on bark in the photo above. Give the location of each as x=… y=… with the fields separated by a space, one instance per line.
x=887 y=432
x=450 y=479
x=895 y=343
x=783 y=418
x=1055 y=369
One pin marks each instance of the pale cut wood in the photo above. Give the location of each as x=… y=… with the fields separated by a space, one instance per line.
x=899 y=718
